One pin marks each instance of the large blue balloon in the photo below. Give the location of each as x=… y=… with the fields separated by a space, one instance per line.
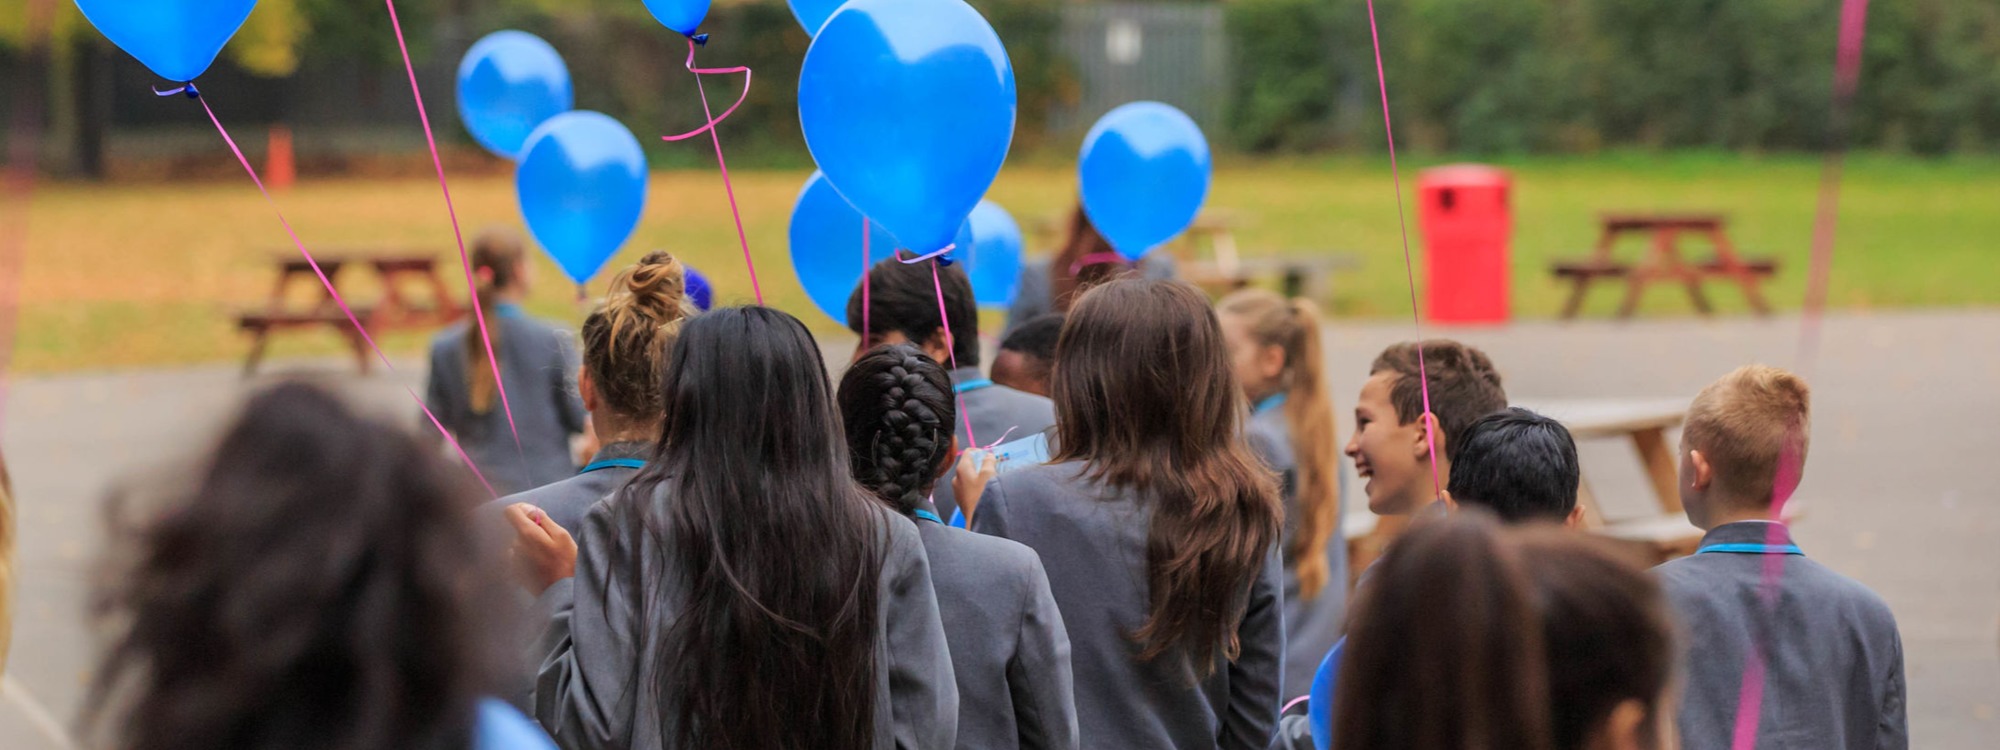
x=582 y=185
x=683 y=16
x=826 y=245
x=1145 y=171
x=509 y=83
x=178 y=39
x=1319 y=703
x=994 y=260
x=812 y=14
x=908 y=107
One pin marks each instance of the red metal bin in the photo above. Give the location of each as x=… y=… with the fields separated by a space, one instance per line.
x=1466 y=222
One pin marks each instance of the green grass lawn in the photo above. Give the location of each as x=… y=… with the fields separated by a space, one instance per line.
x=125 y=275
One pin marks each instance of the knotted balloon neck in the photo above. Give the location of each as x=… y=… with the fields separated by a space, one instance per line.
x=700 y=40
x=943 y=256
x=187 y=89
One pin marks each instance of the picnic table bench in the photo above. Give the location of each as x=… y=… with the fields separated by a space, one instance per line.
x=397 y=309
x=1207 y=256
x=1664 y=262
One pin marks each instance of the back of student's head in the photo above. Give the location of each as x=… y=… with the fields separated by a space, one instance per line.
x=1292 y=326
x=771 y=553
x=897 y=407
x=319 y=583
x=1470 y=636
x=625 y=340
x=1463 y=386
x=1744 y=425
x=903 y=298
x=1145 y=396
x=498 y=258
x=1518 y=464
x=1036 y=338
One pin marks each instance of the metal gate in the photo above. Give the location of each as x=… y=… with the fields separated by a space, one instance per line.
x=1126 y=52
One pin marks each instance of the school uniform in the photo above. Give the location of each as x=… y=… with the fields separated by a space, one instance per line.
x=995 y=411
x=1092 y=540
x=1311 y=625
x=538 y=364
x=1009 y=651
x=595 y=689
x=1833 y=661
x=568 y=501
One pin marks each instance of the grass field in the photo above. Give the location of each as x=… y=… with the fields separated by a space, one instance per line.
x=126 y=275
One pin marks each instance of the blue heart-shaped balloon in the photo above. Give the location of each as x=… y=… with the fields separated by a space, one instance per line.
x=178 y=39
x=582 y=187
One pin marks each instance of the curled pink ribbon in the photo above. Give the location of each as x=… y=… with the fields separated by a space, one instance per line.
x=721 y=163
x=1094 y=259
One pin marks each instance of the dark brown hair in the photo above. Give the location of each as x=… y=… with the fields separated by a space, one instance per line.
x=903 y=297
x=625 y=340
x=1145 y=397
x=496 y=257
x=1473 y=637
x=1066 y=279
x=1463 y=385
x=323 y=583
x=898 y=409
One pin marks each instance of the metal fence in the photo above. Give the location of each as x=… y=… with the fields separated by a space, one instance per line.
x=1124 y=52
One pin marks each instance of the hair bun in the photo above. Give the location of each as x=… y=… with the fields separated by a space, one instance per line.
x=656 y=286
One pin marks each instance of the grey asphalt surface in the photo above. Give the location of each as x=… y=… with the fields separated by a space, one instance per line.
x=1900 y=486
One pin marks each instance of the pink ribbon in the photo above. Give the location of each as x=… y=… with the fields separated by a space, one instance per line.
x=721 y=163
x=334 y=294
x=464 y=260
x=1409 y=266
x=950 y=346
x=1094 y=259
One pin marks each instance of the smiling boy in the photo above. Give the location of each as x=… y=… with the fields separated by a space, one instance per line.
x=1389 y=447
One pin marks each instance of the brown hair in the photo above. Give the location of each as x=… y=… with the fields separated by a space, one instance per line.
x=625 y=341
x=1066 y=280
x=1463 y=385
x=1145 y=397
x=1472 y=637
x=496 y=257
x=1293 y=325
x=1744 y=423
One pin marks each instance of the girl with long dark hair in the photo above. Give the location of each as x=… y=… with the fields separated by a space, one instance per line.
x=536 y=362
x=1158 y=527
x=321 y=585
x=741 y=592
x=1009 y=651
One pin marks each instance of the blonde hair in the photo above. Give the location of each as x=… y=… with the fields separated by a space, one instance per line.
x=1745 y=423
x=1293 y=325
x=498 y=253
x=625 y=341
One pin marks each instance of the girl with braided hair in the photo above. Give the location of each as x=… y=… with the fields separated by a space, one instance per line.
x=1009 y=651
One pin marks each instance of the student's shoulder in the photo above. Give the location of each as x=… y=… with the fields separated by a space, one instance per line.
x=1852 y=596
x=995 y=563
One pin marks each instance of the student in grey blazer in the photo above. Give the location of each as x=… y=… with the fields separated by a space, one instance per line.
x=741 y=591
x=1274 y=347
x=1832 y=660
x=1158 y=527
x=902 y=307
x=1009 y=651
x=536 y=360
x=624 y=347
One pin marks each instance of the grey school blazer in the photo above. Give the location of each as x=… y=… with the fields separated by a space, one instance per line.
x=995 y=411
x=1834 y=666
x=1311 y=625
x=569 y=500
x=1092 y=540
x=538 y=365
x=592 y=693
x=1009 y=651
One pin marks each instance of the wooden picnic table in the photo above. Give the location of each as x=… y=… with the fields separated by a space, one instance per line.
x=1664 y=262
x=1207 y=256
x=397 y=309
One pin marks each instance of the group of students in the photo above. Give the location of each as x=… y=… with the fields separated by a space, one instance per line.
x=755 y=557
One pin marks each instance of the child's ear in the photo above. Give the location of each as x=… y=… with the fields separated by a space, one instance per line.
x=1450 y=505
x=1703 y=474
x=586 y=387
x=1426 y=433
x=1575 y=519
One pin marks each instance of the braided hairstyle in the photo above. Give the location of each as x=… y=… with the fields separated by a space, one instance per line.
x=898 y=409
x=625 y=341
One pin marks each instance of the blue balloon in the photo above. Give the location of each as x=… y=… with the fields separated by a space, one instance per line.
x=582 y=186
x=1145 y=171
x=499 y=726
x=699 y=290
x=812 y=14
x=683 y=16
x=994 y=260
x=826 y=246
x=509 y=83
x=1319 y=703
x=178 y=39
x=908 y=107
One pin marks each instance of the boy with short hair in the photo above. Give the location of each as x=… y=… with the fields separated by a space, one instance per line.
x=902 y=307
x=1389 y=447
x=1028 y=355
x=1518 y=464
x=1832 y=661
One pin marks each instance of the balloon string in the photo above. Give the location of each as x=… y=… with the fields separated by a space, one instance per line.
x=1409 y=266
x=721 y=163
x=334 y=293
x=951 y=349
x=866 y=306
x=1293 y=704
x=464 y=260
x=937 y=254
x=1094 y=259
